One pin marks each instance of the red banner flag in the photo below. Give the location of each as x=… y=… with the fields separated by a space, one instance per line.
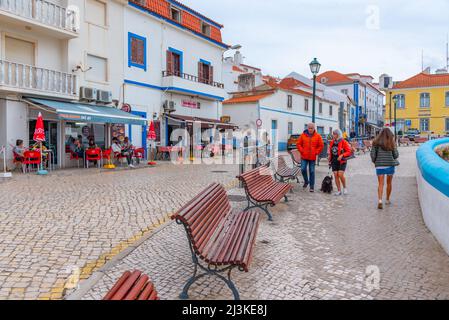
x=151 y=132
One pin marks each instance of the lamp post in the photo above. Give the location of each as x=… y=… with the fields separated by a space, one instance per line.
x=390 y=108
x=395 y=100
x=315 y=69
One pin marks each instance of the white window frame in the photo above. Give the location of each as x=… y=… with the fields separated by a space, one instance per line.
x=173 y=8
x=421 y=100
x=204 y=24
x=421 y=124
x=106 y=12
x=4 y=35
x=107 y=67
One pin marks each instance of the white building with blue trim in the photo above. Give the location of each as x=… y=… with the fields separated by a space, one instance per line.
x=174 y=65
x=283 y=110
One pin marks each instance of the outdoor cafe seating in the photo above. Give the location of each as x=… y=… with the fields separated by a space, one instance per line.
x=93 y=155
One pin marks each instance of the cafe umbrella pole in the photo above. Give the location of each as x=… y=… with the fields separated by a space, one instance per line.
x=39 y=136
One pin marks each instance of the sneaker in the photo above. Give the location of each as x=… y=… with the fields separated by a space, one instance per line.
x=305 y=185
x=337 y=194
x=380 y=206
x=345 y=191
x=388 y=203
x=312 y=190
x=131 y=166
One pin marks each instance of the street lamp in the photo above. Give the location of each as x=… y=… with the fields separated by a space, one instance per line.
x=315 y=69
x=395 y=100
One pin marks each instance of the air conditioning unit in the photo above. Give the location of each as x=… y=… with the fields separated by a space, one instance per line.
x=104 y=96
x=88 y=94
x=169 y=106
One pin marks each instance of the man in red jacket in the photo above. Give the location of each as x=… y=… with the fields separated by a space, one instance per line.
x=310 y=144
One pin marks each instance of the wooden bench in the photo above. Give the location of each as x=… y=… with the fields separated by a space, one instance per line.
x=368 y=144
x=221 y=237
x=405 y=141
x=132 y=286
x=261 y=189
x=286 y=173
x=296 y=158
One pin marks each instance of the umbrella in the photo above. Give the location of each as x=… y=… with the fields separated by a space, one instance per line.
x=39 y=136
x=151 y=136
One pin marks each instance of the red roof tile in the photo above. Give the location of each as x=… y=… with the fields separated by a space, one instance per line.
x=189 y=20
x=423 y=80
x=237 y=69
x=333 y=77
x=248 y=98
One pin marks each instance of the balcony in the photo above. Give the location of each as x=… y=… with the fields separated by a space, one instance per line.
x=190 y=85
x=26 y=79
x=40 y=15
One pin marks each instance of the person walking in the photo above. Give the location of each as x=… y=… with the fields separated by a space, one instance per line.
x=339 y=151
x=384 y=155
x=310 y=144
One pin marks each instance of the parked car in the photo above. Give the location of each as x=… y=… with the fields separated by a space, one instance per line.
x=291 y=144
x=412 y=134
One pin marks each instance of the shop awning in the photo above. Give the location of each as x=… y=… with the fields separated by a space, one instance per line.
x=205 y=123
x=87 y=112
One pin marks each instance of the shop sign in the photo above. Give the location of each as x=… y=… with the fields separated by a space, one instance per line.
x=126 y=108
x=190 y=104
x=225 y=119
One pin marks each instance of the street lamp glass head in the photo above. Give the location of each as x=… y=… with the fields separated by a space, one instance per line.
x=236 y=47
x=315 y=67
x=395 y=99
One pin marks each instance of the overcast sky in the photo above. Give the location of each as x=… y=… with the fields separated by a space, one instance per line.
x=368 y=37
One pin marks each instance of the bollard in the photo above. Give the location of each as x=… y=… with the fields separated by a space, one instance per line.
x=4 y=174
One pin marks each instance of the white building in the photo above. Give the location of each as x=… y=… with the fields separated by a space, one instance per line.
x=174 y=67
x=239 y=77
x=368 y=116
x=283 y=109
x=158 y=60
x=48 y=51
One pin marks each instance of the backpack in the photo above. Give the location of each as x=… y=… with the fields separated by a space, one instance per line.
x=327 y=185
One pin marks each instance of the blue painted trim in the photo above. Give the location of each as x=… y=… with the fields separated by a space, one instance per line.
x=296 y=114
x=434 y=169
x=181 y=57
x=133 y=64
x=357 y=115
x=225 y=46
x=141 y=84
x=205 y=62
x=196 y=14
x=282 y=146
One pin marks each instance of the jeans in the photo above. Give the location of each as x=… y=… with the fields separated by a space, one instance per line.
x=311 y=165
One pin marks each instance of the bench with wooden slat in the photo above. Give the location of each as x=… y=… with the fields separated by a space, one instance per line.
x=221 y=237
x=296 y=158
x=132 y=286
x=286 y=173
x=262 y=190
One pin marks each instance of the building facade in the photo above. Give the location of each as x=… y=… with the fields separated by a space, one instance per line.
x=173 y=71
x=367 y=117
x=422 y=103
x=282 y=109
x=240 y=77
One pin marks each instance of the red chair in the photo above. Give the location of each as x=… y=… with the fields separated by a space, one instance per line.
x=74 y=156
x=106 y=154
x=93 y=155
x=139 y=154
x=30 y=158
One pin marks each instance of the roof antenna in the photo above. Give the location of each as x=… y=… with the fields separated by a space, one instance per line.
x=422 y=60
x=447 y=52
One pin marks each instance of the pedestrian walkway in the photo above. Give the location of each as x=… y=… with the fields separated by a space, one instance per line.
x=318 y=247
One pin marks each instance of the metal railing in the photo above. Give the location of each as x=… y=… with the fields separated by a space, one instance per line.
x=22 y=76
x=42 y=11
x=192 y=78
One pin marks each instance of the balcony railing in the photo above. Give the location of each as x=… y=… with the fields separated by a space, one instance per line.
x=42 y=11
x=26 y=77
x=189 y=77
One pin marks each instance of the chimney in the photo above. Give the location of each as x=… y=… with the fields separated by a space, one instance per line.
x=427 y=70
x=238 y=58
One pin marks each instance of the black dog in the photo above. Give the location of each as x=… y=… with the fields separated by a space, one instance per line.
x=327 y=186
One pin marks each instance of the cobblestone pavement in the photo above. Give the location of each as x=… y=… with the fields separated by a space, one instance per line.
x=318 y=247
x=53 y=225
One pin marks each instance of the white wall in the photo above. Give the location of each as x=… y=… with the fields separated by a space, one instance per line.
x=434 y=206
x=244 y=115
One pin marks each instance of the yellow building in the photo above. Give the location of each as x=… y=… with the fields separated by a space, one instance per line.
x=422 y=103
